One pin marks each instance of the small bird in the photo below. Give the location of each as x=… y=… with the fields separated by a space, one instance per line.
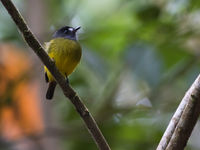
x=65 y=51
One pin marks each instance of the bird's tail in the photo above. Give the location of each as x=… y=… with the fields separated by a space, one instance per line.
x=50 y=91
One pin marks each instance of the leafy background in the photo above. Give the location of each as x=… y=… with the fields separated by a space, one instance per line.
x=139 y=58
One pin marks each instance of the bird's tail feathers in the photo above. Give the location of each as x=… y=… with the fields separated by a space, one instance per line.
x=51 y=89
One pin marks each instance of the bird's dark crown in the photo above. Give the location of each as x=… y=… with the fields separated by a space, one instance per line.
x=66 y=32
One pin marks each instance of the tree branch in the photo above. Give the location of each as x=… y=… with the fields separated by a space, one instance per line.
x=67 y=90
x=183 y=121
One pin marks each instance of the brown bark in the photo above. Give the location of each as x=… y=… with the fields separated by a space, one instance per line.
x=67 y=90
x=183 y=121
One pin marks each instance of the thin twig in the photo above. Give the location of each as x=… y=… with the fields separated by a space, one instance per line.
x=67 y=90
x=183 y=121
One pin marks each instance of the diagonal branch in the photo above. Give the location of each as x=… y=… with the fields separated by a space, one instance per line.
x=183 y=121
x=67 y=90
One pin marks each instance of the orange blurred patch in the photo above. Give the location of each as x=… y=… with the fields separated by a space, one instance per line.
x=20 y=113
x=10 y=128
x=14 y=61
x=30 y=117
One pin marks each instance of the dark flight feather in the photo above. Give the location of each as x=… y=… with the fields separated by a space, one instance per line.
x=51 y=89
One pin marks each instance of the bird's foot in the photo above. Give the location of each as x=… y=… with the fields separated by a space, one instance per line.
x=67 y=80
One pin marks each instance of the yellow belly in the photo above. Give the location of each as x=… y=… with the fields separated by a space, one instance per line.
x=66 y=54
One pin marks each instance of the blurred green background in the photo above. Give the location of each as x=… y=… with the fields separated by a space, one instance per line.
x=139 y=58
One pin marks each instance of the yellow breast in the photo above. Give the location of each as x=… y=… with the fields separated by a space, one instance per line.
x=66 y=53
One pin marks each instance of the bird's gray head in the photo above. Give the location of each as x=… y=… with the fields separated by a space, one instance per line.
x=66 y=32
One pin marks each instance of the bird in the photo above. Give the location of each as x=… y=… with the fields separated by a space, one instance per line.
x=65 y=51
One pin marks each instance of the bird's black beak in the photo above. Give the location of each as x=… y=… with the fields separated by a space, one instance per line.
x=76 y=29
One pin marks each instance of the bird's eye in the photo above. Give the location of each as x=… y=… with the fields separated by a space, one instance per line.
x=65 y=31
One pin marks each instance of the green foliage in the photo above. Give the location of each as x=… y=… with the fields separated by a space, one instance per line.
x=134 y=52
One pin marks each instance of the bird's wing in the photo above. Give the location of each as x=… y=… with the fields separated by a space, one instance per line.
x=46 y=46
